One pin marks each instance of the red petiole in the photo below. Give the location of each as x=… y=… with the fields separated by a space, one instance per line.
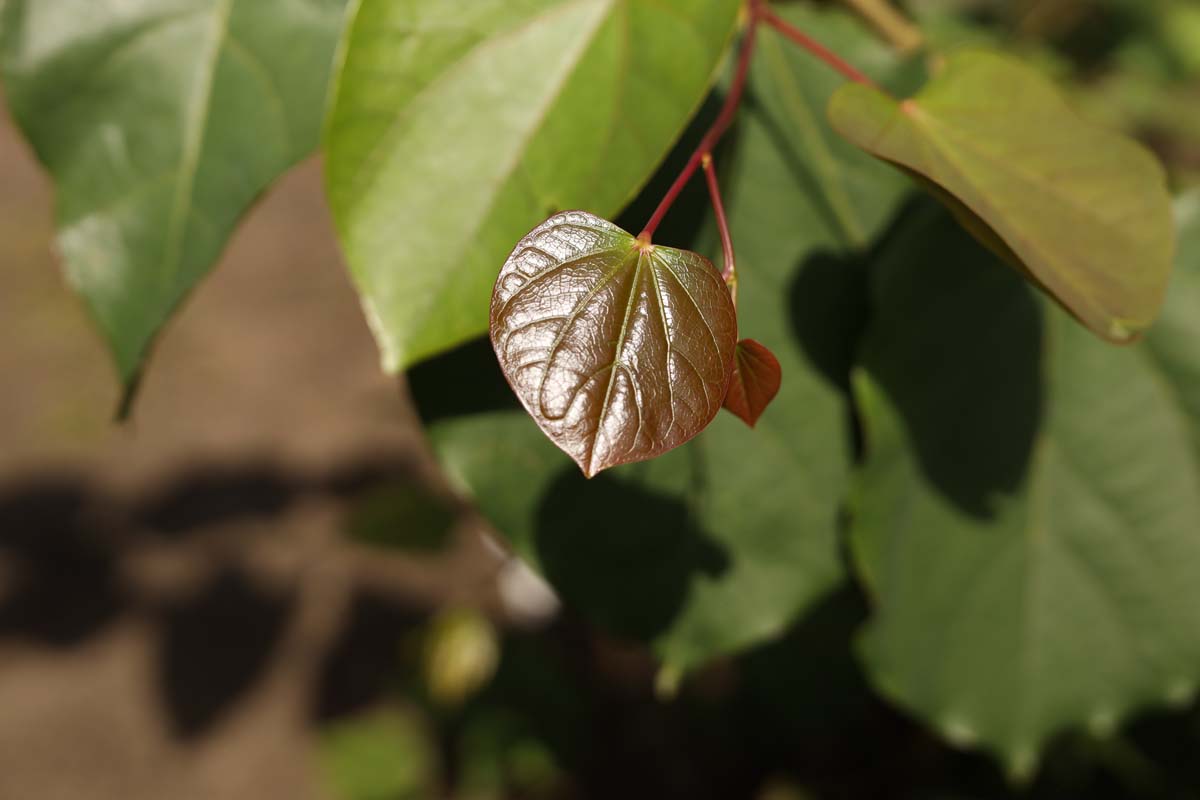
x=724 y=118
x=811 y=45
x=714 y=191
x=702 y=157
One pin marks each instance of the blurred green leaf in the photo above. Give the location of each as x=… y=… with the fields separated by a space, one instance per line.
x=161 y=121
x=1026 y=518
x=723 y=542
x=461 y=652
x=501 y=758
x=384 y=755
x=458 y=125
x=1082 y=212
x=1174 y=342
x=402 y=517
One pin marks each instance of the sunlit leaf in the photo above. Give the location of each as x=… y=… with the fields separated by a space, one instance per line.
x=1026 y=518
x=161 y=121
x=755 y=382
x=1081 y=211
x=459 y=124
x=619 y=350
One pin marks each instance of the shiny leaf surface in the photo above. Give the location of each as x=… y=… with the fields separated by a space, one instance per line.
x=619 y=350
x=161 y=121
x=1083 y=212
x=755 y=381
x=459 y=124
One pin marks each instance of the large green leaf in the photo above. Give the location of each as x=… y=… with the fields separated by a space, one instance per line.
x=722 y=542
x=1027 y=518
x=1083 y=212
x=460 y=124
x=161 y=121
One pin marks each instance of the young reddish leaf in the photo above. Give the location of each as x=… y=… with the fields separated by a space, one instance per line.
x=755 y=381
x=620 y=350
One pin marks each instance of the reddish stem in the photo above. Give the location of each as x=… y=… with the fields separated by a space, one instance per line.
x=714 y=191
x=813 y=46
x=719 y=126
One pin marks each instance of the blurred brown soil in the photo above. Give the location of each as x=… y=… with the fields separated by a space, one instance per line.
x=178 y=600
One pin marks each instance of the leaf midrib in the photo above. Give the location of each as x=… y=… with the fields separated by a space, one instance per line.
x=828 y=169
x=432 y=295
x=195 y=128
x=616 y=360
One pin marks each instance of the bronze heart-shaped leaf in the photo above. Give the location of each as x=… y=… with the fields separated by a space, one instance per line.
x=756 y=381
x=619 y=349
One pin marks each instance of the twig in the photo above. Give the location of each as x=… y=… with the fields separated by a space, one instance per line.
x=892 y=25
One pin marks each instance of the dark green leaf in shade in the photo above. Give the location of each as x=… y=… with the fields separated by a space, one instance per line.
x=1026 y=517
x=161 y=121
x=459 y=124
x=620 y=350
x=724 y=542
x=1081 y=211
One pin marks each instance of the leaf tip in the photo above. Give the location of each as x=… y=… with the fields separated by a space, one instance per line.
x=129 y=392
x=1022 y=763
x=1119 y=332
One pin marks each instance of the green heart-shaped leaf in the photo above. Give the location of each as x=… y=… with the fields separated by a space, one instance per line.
x=161 y=123
x=620 y=350
x=459 y=124
x=1026 y=519
x=1081 y=211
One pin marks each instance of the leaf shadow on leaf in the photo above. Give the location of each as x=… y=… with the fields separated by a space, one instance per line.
x=801 y=169
x=974 y=435
x=829 y=309
x=620 y=555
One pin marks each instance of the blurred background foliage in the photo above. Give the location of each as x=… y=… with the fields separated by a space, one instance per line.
x=496 y=692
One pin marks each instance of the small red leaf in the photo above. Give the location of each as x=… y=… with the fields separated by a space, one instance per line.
x=620 y=350
x=756 y=378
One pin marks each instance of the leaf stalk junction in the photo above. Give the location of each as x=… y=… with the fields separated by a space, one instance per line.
x=702 y=158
